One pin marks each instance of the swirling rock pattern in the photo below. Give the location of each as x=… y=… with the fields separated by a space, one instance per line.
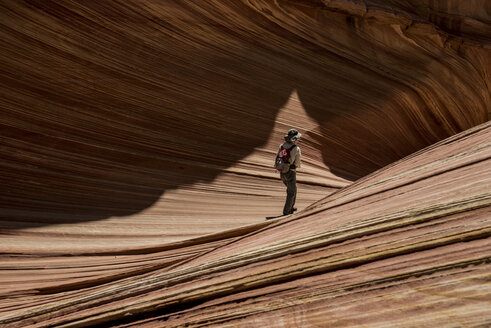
x=405 y=246
x=134 y=133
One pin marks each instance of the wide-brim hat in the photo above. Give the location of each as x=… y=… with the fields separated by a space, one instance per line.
x=293 y=135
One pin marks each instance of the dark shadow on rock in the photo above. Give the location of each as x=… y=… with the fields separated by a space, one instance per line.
x=370 y=111
x=108 y=107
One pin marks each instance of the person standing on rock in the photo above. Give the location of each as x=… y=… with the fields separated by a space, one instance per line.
x=286 y=162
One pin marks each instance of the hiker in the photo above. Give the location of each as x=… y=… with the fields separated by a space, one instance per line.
x=286 y=162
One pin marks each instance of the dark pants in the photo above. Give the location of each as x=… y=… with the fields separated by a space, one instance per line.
x=290 y=180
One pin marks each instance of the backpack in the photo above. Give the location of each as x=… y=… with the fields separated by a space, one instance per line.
x=282 y=162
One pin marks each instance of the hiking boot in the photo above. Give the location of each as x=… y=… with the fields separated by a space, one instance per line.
x=291 y=212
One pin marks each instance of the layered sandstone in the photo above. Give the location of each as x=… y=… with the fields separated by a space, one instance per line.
x=137 y=138
x=407 y=246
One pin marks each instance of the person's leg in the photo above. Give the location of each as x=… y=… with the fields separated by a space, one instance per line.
x=294 y=188
x=290 y=180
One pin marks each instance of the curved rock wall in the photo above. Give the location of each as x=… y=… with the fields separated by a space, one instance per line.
x=128 y=128
x=111 y=109
x=407 y=246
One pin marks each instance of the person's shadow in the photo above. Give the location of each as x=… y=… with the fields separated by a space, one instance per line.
x=110 y=107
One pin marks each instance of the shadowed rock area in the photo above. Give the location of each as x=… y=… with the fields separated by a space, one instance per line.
x=136 y=149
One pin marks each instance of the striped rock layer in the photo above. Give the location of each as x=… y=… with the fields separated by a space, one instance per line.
x=136 y=149
x=406 y=246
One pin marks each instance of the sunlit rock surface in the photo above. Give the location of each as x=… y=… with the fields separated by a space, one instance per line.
x=407 y=246
x=135 y=135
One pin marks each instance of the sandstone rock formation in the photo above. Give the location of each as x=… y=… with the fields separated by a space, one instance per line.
x=406 y=246
x=136 y=143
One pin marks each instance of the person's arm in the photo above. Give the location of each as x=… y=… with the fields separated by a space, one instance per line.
x=298 y=161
